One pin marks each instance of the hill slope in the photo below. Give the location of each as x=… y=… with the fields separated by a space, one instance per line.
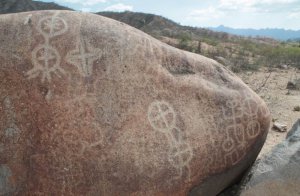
x=160 y=26
x=14 y=6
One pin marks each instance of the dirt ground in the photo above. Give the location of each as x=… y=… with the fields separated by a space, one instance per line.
x=280 y=101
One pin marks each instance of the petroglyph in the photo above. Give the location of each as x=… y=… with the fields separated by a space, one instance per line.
x=162 y=118
x=250 y=107
x=238 y=134
x=180 y=155
x=233 y=157
x=228 y=144
x=51 y=26
x=235 y=142
x=253 y=128
x=83 y=57
x=45 y=58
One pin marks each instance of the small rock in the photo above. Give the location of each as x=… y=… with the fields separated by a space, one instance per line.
x=288 y=92
x=274 y=119
x=291 y=85
x=279 y=127
x=297 y=108
x=284 y=66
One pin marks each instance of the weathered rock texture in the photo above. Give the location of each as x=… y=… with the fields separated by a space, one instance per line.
x=91 y=106
x=278 y=173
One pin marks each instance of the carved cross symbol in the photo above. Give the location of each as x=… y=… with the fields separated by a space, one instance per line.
x=83 y=57
x=45 y=55
x=46 y=60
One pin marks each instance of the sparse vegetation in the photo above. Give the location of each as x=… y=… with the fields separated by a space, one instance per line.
x=241 y=53
x=184 y=41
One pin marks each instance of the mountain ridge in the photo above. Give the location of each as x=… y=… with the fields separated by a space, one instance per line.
x=158 y=26
x=15 y=6
x=275 y=33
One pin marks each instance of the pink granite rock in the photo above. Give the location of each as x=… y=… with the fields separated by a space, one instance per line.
x=91 y=106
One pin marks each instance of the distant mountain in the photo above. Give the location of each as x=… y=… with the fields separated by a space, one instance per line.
x=14 y=6
x=279 y=34
x=159 y=26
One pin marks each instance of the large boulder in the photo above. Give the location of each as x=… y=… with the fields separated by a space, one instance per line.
x=91 y=106
x=278 y=173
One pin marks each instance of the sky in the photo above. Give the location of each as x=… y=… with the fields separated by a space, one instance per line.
x=255 y=14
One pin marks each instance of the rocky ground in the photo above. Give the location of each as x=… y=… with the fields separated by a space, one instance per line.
x=281 y=102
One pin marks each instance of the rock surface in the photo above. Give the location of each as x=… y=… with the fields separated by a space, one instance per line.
x=278 y=173
x=279 y=127
x=91 y=106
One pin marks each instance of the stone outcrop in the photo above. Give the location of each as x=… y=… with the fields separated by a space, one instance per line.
x=278 y=173
x=91 y=106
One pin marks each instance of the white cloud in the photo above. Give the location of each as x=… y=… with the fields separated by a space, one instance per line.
x=119 y=7
x=83 y=2
x=210 y=12
x=294 y=15
x=254 y=2
x=206 y=17
x=236 y=3
x=251 y=5
x=244 y=12
x=277 y=1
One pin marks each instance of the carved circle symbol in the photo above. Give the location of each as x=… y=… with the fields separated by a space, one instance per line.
x=46 y=57
x=228 y=144
x=52 y=26
x=161 y=116
x=253 y=129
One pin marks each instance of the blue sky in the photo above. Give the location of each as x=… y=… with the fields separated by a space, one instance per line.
x=205 y=13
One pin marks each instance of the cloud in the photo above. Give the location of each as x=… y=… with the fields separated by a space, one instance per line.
x=206 y=17
x=254 y=2
x=294 y=15
x=255 y=5
x=83 y=2
x=203 y=14
x=244 y=12
x=119 y=7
